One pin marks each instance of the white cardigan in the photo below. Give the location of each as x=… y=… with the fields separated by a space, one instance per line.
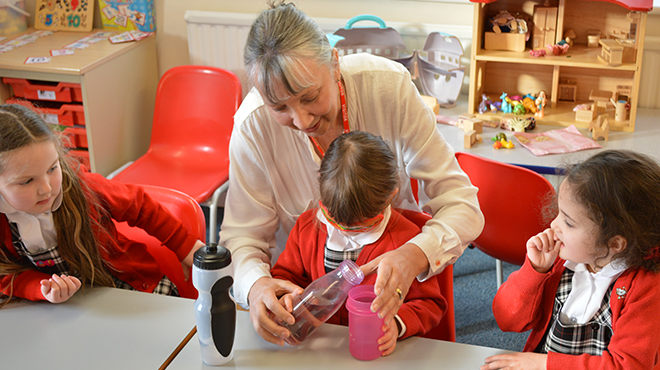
x=274 y=172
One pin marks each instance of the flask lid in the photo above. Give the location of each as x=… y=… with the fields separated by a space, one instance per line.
x=351 y=272
x=212 y=257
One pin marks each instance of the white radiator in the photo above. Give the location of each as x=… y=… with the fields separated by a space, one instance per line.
x=218 y=39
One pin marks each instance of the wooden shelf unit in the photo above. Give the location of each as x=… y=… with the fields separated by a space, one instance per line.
x=493 y=72
x=118 y=83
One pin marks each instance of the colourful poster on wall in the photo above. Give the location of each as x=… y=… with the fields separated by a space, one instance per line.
x=128 y=15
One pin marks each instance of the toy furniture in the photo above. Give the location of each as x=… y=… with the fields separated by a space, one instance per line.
x=446 y=329
x=545 y=26
x=189 y=148
x=567 y=90
x=186 y=210
x=470 y=138
x=586 y=115
x=600 y=99
x=600 y=127
x=518 y=73
x=511 y=223
x=470 y=122
x=117 y=85
x=611 y=53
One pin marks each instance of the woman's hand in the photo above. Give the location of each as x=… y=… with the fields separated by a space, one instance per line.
x=542 y=250
x=266 y=306
x=516 y=361
x=187 y=262
x=58 y=289
x=387 y=342
x=396 y=270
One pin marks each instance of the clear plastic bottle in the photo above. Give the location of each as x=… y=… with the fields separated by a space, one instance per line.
x=321 y=299
x=215 y=310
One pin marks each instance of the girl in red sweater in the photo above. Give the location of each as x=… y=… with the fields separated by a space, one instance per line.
x=56 y=229
x=588 y=289
x=358 y=180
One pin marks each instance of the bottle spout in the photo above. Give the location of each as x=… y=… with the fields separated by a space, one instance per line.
x=351 y=272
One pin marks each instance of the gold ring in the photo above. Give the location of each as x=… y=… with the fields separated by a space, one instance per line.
x=400 y=293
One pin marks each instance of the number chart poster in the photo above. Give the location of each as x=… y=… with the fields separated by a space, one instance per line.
x=65 y=15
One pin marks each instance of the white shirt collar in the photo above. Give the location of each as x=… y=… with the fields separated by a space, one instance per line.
x=340 y=240
x=37 y=231
x=588 y=290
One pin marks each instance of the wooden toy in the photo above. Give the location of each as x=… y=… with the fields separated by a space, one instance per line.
x=470 y=138
x=600 y=99
x=600 y=127
x=545 y=25
x=585 y=115
x=493 y=72
x=432 y=102
x=470 y=122
x=567 y=90
x=611 y=52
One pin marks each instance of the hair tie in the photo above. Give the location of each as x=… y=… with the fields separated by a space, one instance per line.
x=653 y=253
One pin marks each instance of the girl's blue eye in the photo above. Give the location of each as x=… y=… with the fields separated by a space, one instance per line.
x=52 y=169
x=310 y=100
x=26 y=182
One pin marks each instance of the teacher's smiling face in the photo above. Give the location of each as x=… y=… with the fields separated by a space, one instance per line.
x=315 y=108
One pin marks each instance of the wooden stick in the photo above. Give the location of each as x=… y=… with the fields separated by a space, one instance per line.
x=178 y=348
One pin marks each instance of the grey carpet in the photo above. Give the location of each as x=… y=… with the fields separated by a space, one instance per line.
x=475 y=285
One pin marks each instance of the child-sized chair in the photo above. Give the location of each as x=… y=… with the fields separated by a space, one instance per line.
x=511 y=199
x=189 y=148
x=186 y=210
x=446 y=329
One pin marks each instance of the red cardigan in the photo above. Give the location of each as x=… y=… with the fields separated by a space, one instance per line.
x=301 y=262
x=130 y=261
x=525 y=302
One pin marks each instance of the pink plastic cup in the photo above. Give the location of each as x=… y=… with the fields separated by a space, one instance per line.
x=364 y=326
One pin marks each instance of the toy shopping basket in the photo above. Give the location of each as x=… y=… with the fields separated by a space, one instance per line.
x=382 y=40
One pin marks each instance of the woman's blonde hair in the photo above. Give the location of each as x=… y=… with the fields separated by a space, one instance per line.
x=280 y=40
x=76 y=229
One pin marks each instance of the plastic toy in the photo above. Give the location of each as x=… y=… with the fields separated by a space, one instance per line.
x=506 y=103
x=485 y=104
x=519 y=108
x=559 y=48
x=541 y=101
x=537 y=53
x=501 y=141
x=529 y=104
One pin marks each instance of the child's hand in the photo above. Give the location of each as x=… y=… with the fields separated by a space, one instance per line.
x=58 y=289
x=187 y=262
x=388 y=341
x=542 y=250
x=516 y=361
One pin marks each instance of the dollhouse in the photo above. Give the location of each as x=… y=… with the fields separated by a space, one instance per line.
x=607 y=38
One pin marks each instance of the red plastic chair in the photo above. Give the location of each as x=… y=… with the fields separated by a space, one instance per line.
x=511 y=199
x=189 y=148
x=446 y=329
x=185 y=209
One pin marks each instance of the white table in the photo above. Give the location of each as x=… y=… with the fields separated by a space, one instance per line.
x=645 y=139
x=328 y=349
x=101 y=328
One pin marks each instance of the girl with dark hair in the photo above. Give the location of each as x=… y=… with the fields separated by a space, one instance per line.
x=588 y=289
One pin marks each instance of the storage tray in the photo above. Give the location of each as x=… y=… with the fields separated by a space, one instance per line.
x=44 y=90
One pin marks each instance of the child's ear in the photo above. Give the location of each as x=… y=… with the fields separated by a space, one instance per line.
x=617 y=244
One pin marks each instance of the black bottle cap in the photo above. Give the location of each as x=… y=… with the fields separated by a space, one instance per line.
x=212 y=257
